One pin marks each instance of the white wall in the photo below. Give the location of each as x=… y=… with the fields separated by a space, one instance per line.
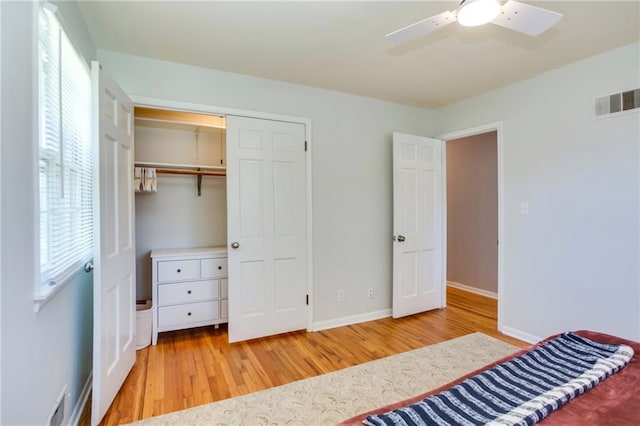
x=175 y=217
x=573 y=262
x=44 y=351
x=351 y=150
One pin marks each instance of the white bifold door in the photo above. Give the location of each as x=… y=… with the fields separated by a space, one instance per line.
x=417 y=224
x=266 y=227
x=114 y=342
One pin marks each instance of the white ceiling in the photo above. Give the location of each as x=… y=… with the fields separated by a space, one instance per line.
x=340 y=45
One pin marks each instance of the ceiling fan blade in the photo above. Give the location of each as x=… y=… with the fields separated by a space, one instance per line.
x=421 y=28
x=527 y=19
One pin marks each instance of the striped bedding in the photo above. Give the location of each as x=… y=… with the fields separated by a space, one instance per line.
x=521 y=391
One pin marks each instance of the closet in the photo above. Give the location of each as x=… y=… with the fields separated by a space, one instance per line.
x=181 y=220
x=222 y=225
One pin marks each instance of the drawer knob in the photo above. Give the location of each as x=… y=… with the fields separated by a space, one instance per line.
x=188 y=291
x=179 y=270
x=189 y=313
x=219 y=267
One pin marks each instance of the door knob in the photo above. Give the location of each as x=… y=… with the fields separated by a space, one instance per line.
x=235 y=244
x=401 y=238
x=88 y=267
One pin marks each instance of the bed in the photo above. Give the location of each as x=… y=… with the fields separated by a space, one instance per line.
x=615 y=401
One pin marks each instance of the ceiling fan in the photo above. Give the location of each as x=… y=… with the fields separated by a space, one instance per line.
x=521 y=17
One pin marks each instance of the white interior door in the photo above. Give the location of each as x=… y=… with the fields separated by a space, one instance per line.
x=417 y=224
x=266 y=227
x=114 y=349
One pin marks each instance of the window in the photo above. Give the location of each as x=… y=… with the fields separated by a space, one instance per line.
x=66 y=156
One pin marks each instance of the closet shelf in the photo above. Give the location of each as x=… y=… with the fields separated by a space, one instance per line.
x=152 y=115
x=182 y=167
x=185 y=169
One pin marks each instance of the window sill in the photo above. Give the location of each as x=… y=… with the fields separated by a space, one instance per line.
x=45 y=293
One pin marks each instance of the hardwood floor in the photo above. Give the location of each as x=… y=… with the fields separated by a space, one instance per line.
x=193 y=367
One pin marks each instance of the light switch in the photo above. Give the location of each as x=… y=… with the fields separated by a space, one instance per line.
x=524 y=207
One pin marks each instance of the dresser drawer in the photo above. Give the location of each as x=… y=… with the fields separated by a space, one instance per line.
x=213 y=268
x=187 y=292
x=177 y=270
x=188 y=313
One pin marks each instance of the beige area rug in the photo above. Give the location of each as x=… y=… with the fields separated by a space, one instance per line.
x=330 y=398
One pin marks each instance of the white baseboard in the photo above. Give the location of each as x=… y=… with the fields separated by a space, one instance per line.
x=74 y=419
x=520 y=335
x=475 y=290
x=350 y=320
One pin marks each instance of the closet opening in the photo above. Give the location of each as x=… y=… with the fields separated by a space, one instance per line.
x=181 y=217
x=223 y=220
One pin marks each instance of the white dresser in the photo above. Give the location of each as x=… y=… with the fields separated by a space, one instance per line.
x=189 y=288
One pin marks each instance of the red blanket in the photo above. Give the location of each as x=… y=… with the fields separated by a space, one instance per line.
x=615 y=401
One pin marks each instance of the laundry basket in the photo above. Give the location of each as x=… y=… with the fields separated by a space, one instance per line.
x=143 y=324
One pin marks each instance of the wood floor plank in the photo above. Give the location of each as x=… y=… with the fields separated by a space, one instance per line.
x=198 y=366
x=481 y=305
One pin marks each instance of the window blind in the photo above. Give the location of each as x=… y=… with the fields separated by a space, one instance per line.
x=66 y=154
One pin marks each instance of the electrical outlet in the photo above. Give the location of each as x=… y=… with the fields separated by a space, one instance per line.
x=370 y=292
x=340 y=295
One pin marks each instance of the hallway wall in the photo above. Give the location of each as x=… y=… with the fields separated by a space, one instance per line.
x=472 y=212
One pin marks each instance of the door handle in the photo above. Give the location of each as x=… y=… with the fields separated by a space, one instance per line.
x=401 y=238
x=88 y=267
x=235 y=245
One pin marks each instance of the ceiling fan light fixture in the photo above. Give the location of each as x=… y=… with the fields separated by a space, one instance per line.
x=477 y=12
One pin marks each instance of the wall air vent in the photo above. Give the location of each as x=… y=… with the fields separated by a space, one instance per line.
x=617 y=103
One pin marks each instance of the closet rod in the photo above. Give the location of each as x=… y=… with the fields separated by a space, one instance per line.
x=191 y=172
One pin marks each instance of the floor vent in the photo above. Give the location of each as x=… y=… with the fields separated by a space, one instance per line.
x=617 y=102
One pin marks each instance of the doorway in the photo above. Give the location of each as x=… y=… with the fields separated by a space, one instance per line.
x=473 y=215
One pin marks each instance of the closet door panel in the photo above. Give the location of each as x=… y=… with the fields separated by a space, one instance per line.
x=251 y=198
x=266 y=221
x=284 y=191
x=254 y=302
x=285 y=274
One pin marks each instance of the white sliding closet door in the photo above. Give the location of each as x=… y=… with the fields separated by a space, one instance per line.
x=418 y=204
x=266 y=227
x=114 y=342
